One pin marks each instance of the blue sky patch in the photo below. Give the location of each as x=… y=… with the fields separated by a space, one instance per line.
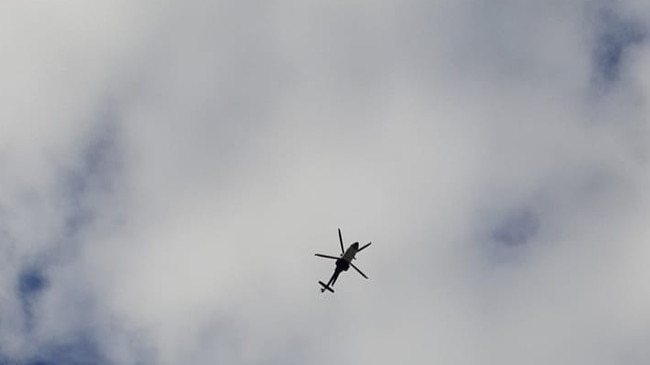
x=31 y=283
x=517 y=229
x=615 y=35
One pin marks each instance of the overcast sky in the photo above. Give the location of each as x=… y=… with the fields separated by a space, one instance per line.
x=169 y=168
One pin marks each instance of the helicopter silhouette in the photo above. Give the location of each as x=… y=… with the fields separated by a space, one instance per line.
x=343 y=262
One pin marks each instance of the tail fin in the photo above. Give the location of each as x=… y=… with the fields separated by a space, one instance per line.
x=325 y=287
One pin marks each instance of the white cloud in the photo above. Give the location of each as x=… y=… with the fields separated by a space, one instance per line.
x=241 y=135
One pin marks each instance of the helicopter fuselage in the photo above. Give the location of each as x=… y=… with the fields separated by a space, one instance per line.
x=349 y=254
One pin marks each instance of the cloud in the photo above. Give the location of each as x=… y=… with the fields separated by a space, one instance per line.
x=615 y=34
x=168 y=172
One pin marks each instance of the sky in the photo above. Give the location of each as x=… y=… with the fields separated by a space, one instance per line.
x=169 y=168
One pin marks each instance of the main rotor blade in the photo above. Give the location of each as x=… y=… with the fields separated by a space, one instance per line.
x=327 y=256
x=364 y=246
x=359 y=271
x=341 y=240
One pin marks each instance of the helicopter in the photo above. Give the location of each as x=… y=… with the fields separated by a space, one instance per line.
x=343 y=262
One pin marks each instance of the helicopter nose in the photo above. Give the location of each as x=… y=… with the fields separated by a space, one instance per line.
x=355 y=245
